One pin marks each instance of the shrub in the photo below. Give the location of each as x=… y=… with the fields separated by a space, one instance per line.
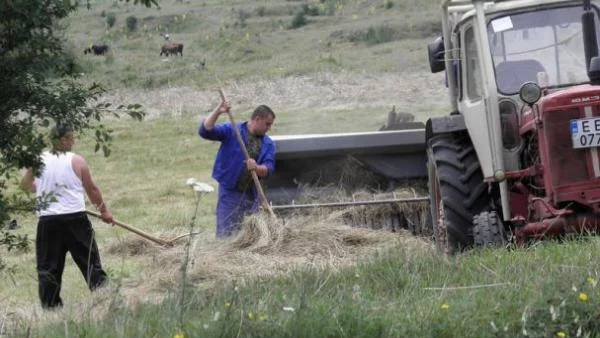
x=132 y=23
x=329 y=6
x=111 y=18
x=241 y=17
x=310 y=10
x=261 y=11
x=379 y=34
x=299 y=20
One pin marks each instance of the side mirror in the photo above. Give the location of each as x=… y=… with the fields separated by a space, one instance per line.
x=594 y=70
x=436 y=53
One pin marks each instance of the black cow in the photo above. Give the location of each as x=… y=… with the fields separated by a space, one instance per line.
x=172 y=49
x=96 y=49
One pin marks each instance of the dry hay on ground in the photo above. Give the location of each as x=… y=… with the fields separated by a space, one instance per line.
x=302 y=235
x=269 y=247
x=264 y=247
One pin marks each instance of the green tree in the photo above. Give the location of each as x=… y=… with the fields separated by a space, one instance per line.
x=132 y=23
x=39 y=88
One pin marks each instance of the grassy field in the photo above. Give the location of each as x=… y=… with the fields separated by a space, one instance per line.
x=341 y=71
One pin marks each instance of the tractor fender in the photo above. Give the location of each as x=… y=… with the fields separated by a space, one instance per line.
x=444 y=124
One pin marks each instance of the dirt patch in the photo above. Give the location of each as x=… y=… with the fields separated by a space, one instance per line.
x=421 y=94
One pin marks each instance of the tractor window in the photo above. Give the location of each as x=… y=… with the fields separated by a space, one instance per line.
x=473 y=79
x=543 y=46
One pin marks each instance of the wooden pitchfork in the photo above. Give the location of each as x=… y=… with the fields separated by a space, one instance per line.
x=135 y=230
x=259 y=189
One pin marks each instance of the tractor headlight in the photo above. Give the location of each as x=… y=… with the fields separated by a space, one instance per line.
x=499 y=175
x=530 y=92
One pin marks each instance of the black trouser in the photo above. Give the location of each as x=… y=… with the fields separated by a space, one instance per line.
x=57 y=235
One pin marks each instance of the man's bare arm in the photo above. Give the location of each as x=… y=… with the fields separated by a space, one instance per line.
x=210 y=121
x=28 y=181
x=82 y=170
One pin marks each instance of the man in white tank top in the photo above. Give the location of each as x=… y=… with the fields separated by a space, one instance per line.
x=63 y=225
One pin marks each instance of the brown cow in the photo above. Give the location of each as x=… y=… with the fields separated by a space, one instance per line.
x=172 y=49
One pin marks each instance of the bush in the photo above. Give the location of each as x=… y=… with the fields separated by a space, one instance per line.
x=299 y=20
x=329 y=6
x=111 y=18
x=132 y=23
x=310 y=10
x=261 y=11
x=241 y=17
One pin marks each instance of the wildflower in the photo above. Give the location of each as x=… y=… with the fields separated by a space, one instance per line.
x=561 y=334
x=356 y=292
x=553 y=313
x=227 y=304
x=203 y=187
x=592 y=281
x=444 y=306
x=288 y=309
x=583 y=297
x=250 y=316
x=199 y=187
x=179 y=335
x=262 y=318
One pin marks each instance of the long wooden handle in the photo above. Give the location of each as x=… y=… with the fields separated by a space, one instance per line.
x=134 y=230
x=259 y=189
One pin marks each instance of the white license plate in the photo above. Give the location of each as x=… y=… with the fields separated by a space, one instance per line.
x=585 y=133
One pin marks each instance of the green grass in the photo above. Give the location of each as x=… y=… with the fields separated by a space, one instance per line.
x=329 y=75
x=532 y=292
x=238 y=39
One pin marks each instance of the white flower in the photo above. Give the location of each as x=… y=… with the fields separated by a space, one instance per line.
x=191 y=181
x=288 y=309
x=203 y=187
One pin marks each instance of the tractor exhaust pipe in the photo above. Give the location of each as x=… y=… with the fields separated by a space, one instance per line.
x=590 y=42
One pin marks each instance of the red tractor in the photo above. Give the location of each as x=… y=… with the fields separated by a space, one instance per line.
x=518 y=156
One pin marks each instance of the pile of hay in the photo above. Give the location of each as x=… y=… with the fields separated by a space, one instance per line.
x=320 y=233
x=265 y=246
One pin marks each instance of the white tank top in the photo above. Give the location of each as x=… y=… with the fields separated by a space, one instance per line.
x=59 y=179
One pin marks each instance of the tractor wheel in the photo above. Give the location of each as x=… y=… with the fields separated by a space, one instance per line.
x=488 y=230
x=456 y=191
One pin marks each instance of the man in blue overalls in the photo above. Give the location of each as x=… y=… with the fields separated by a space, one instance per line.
x=237 y=194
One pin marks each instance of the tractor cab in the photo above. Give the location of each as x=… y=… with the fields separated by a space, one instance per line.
x=516 y=158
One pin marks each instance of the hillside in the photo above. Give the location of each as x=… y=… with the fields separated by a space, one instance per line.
x=345 y=56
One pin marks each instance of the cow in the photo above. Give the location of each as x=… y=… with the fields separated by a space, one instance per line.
x=172 y=49
x=96 y=49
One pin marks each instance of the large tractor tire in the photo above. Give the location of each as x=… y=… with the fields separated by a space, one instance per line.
x=488 y=230
x=457 y=191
